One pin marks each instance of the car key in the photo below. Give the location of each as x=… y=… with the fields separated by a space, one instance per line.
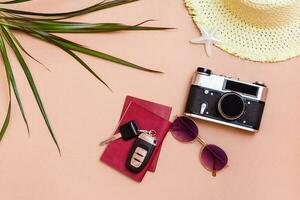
x=127 y=131
x=141 y=152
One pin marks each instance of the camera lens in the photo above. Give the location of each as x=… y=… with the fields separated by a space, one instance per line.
x=231 y=106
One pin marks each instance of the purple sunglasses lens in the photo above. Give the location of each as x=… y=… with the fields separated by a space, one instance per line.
x=213 y=158
x=184 y=129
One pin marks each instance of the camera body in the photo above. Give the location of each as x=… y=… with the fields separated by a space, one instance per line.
x=226 y=101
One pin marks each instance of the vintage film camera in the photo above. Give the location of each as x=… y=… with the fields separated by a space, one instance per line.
x=226 y=101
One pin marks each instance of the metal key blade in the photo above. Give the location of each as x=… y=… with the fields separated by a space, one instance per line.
x=112 y=138
x=128 y=131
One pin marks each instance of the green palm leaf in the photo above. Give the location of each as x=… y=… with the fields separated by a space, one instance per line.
x=42 y=26
x=24 y=50
x=52 y=26
x=7 y=118
x=11 y=79
x=30 y=81
x=6 y=62
x=49 y=39
x=13 y=1
x=79 y=48
x=99 y=6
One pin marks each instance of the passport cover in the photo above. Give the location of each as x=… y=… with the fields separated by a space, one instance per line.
x=116 y=153
x=159 y=109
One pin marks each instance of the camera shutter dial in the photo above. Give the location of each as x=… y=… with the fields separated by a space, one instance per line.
x=204 y=71
x=231 y=106
x=260 y=83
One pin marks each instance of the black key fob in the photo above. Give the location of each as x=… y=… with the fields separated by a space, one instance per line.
x=141 y=152
x=129 y=130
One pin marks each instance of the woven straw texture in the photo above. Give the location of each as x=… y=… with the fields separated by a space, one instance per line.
x=258 y=30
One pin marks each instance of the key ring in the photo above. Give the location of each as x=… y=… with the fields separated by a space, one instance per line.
x=150 y=132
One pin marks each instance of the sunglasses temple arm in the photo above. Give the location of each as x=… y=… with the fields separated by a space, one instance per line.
x=200 y=140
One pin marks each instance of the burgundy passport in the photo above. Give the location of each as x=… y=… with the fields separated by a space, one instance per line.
x=159 y=109
x=116 y=153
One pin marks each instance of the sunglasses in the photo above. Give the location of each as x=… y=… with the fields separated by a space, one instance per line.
x=212 y=157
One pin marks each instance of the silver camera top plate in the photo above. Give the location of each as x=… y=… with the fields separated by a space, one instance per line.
x=218 y=83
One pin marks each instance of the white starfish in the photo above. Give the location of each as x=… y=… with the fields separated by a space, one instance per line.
x=208 y=39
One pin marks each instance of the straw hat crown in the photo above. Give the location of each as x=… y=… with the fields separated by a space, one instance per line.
x=258 y=30
x=265 y=12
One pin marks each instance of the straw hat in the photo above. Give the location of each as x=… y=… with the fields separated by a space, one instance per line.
x=259 y=30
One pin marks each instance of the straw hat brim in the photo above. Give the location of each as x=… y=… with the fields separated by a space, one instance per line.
x=245 y=40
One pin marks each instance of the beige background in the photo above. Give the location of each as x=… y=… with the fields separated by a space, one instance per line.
x=263 y=166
